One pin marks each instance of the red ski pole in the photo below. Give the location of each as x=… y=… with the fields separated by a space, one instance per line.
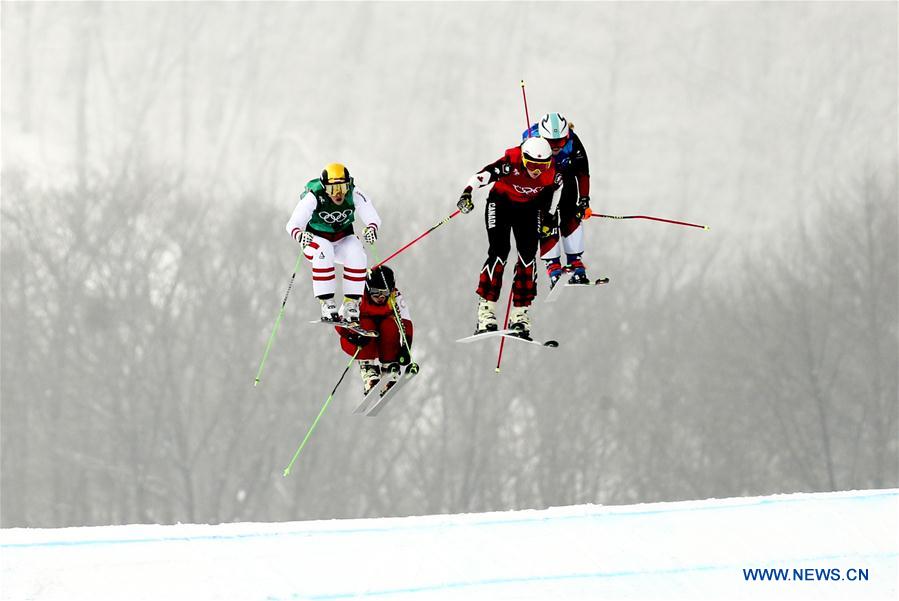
x=431 y=229
x=502 y=340
x=590 y=213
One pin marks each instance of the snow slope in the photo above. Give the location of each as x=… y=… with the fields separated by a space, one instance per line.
x=685 y=550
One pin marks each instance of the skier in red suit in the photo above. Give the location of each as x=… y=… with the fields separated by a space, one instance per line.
x=524 y=181
x=382 y=307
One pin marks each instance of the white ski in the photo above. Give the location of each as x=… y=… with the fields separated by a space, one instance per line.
x=369 y=399
x=391 y=392
x=348 y=326
x=554 y=292
x=547 y=344
x=507 y=334
x=484 y=335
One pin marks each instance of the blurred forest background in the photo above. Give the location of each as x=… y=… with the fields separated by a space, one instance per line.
x=152 y=153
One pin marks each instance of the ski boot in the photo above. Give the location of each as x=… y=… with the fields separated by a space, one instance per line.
x=329 y=309
x=554 y=271
x=390 y=373
x=371 y=375
x=579 y=278
x=520 y=322
x=579 y=272
x=351 y=310
x=486 y=316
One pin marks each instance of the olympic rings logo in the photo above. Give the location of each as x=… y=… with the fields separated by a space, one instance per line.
x=335 y=216
x=526 y=190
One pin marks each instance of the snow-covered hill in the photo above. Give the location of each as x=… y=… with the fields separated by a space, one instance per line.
x=828 y=546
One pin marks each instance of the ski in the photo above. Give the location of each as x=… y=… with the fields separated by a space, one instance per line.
x=529 y=340
x=369 y=399
x=484 y=335
x=352 y=328
x=554 y=292
x=553 y=295
x=391 y=392
x=508 y=334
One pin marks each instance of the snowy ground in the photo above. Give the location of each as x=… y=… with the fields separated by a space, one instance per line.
x=688 y=550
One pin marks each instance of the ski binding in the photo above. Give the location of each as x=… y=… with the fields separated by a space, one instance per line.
x=348 y=326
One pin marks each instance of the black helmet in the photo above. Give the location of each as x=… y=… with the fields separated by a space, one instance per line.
x=380 y=278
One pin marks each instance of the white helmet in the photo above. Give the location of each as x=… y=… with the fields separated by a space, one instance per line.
x=553 y=126
x=536 y=154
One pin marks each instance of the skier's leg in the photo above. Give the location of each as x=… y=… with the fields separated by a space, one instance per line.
x=550 y=249
x=350 y=254
x=572 y=232
x=524 y=286
x=496 y=218
x=320 y=253
x=389 y=341
x=490 y=280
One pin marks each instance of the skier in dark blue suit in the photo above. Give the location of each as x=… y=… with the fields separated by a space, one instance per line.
x=564 y=221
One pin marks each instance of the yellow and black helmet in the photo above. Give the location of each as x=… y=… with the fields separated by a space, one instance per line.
x=336 y=179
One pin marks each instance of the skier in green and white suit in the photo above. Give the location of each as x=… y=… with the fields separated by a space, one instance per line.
x=322 y=223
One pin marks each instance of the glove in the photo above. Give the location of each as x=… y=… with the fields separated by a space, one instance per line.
x=404 y=357
x=581 y=206
x=548 y=225
x=412 y=369
x=370 y=234
x=357 y=339
x=465 y=205
x=306 y=239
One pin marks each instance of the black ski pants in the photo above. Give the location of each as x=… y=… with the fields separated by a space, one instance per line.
x=521 y=219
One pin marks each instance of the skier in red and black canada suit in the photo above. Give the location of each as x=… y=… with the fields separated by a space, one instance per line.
x=382 y=306
x=524 y=180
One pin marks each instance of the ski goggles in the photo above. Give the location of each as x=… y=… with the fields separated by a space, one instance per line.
x=378 y=294
x=532 y=165
x=337 y=189
x=558 y=144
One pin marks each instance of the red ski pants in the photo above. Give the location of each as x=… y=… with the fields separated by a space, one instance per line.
x=387 y=346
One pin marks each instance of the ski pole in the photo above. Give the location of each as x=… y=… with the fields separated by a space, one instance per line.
x=526 y=117
x=502 y=340
x=431 y=229
x=271 y=338
x=320 y=413
x=590 y=213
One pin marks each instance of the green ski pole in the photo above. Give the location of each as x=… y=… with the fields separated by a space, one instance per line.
x=320 y=413
x=271 y=338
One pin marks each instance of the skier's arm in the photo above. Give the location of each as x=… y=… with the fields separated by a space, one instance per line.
x=484 y=177
x=580 y=166
x=556 y=194
x=406 y=319
x=365 y=209
x=301 y=216
x=489 y=174
x=367 y=213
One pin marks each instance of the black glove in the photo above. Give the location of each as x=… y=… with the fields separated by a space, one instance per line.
x=465 y=204
x=404 y=357
x=412 y=369
x=357 y=339
x=548 y=225
x=581 y=206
